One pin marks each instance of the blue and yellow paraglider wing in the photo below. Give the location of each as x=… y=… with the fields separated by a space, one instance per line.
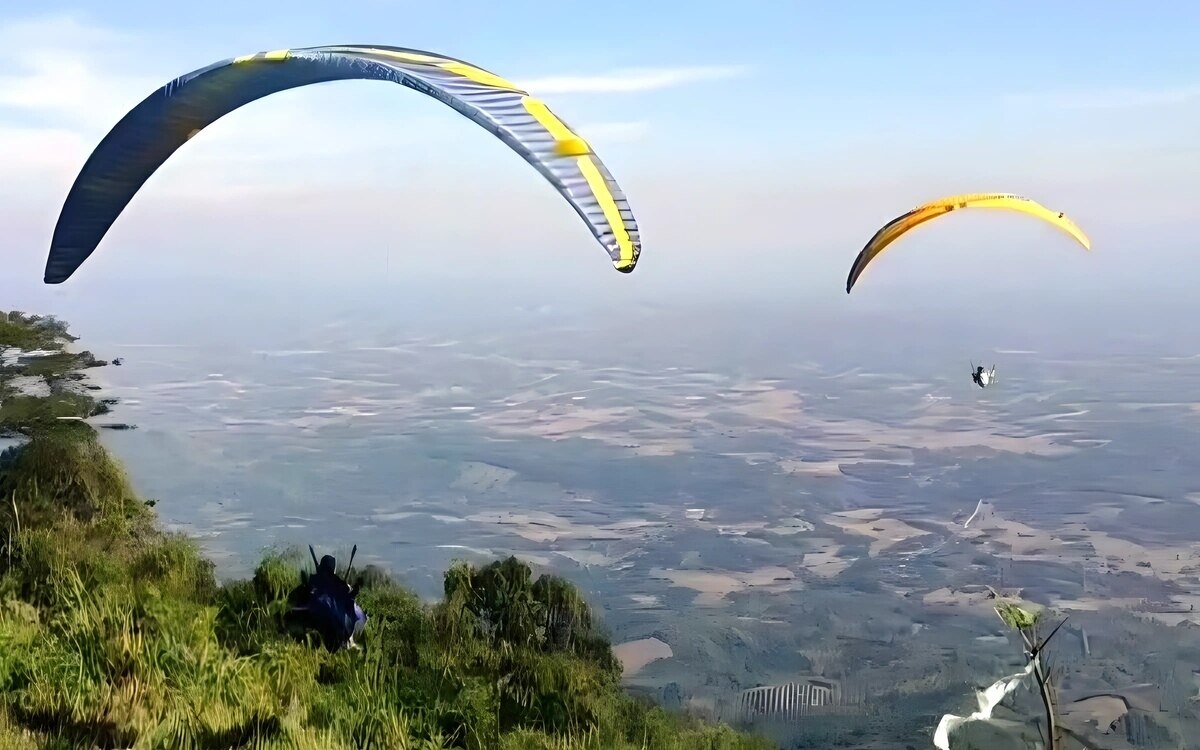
x=153 y=130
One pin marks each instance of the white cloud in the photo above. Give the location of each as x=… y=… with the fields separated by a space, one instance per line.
x=57 y=68
x=71 y=87
x=631 y=80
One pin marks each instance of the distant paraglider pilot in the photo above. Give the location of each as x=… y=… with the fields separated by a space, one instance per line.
x=326 y=603
x=983 y=378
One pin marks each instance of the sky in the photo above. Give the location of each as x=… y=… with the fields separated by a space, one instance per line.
x=760 y=144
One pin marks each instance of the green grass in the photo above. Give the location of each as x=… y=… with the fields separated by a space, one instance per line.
x=22 y=413
x=114 y=634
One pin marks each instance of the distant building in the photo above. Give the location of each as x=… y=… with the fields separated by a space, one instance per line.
x=791 y=701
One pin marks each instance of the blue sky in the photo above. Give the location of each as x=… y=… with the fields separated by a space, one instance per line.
x=761 y=143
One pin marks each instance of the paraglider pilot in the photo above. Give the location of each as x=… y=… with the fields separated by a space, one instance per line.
x=326 y=603
x=983 y=378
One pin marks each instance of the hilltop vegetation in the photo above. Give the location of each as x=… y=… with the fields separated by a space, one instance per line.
x=56 y=370
x=116 y=634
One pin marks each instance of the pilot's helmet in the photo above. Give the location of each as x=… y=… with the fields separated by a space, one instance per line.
x=328 y=565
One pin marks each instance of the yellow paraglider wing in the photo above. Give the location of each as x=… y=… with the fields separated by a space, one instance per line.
x=895 y=228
